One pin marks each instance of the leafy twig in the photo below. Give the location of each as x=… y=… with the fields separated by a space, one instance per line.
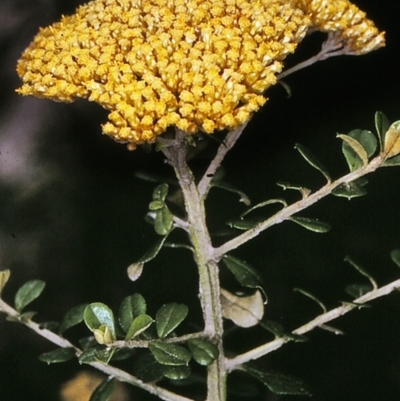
x=319 y=321
x=107 y=369
x=294 y=208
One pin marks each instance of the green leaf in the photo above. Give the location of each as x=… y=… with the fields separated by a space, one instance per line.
x=103 y=391
x=395 y=256
x=244 y=311
x=28 y=293
x=243 y=197
x=245 y=274
x=135 y=269
x=87 y=342
x=203 y=352
x=361 y=271
x=382 y=124
x=278 y=331
x=313 y=297
x=241 y=224
x=156 y=205
x=73 y=317
x=58 y=355
x=303 y=190
x=163 y=221
x=99 y=317
x=355 y=155
x=131 y=307
x=146 y=368
x=160 y=192
x=311 y=224
x=367 y=140
x=175 y=372
x=96 y=354
x=349 y=190
x=139 y=324
x=169 y=317
x=313 y=161
x=358 y=290
x=265 y=203
x=4 y=276
x=277 y=382
x=170 y=354
x=393 y=161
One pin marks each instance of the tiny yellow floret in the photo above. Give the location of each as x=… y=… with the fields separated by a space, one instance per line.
x=199 y=65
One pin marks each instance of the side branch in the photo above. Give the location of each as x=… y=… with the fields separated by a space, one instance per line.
x=294 y=208
x=109 y=370
x=230 y=140
x=234 y=363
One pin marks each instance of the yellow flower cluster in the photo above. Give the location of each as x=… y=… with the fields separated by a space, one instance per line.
x=357 y=34
x=193 y=64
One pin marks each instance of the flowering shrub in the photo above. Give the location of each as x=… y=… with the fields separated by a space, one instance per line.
x=170 y=71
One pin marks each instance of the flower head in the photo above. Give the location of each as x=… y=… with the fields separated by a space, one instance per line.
x=194 y=64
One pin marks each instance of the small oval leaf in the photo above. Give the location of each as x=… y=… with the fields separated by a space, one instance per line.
x=395 y=256
x=73 y=317
x=245 y=274
x=277 y=382
x=311 y=224
x=227 y=187
x=163 y=221
x=203 y=352
x=356 y=156
x=244 y=311
x=98 y=354
x=392 y=141
x=139 y=325
x=349 y=190
x=98 y=316
x=175 y=372
x=4 y=276
x=156 y=205
x=241 y=224
x=169 y=317
x=170 y=354
x=313 y=161
x=382 y=124
x=160 y=192
x=103 y=391
x=58 y=355
x=358 y=290
x=366 y=139
x=135 y=271
x=28 y=293
x=131 y=307
x=146 y=368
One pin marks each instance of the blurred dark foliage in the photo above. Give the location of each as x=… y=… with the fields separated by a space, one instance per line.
x=72 y=214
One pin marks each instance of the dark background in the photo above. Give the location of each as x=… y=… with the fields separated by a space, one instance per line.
x=71 y=213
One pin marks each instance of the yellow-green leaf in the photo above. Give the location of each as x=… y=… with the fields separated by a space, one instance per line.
x=4 y=276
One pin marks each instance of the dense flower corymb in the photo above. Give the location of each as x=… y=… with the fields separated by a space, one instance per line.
x=194 y=64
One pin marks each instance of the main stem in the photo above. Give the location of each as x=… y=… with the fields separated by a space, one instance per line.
x=209 y=287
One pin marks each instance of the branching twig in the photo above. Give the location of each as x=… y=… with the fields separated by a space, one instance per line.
x=112 y=371
x=332 y=47
x=294 y=208
x=230 y=140
x=319 y=321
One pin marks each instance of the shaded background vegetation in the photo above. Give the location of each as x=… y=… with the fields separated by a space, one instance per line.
x=71 y=213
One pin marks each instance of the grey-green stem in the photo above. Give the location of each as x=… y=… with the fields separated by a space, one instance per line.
x=209 y=286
